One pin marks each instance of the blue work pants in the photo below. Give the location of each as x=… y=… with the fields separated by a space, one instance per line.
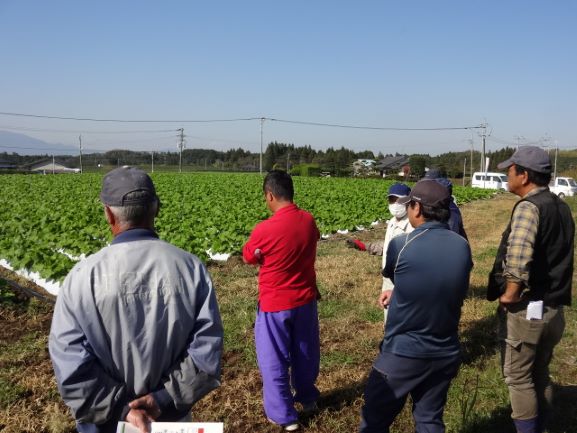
x=426 y=380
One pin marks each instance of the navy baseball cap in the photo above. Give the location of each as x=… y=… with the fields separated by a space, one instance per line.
x=429 y=193
x=120 y=182
x=531 y=157
x=398 y=190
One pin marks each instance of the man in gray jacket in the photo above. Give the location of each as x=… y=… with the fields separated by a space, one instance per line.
x=136 y=333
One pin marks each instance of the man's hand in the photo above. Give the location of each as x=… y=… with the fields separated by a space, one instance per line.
x=257 y=254
x=148 y=404
x=140 y=419
x=356 y=244
x=509 y=299
x=385 y=298
x=512 y=293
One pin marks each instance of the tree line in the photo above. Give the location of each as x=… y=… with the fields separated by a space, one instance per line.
x=296 y=159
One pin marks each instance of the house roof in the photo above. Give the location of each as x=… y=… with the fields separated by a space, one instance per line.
x=48 y=164
x=392 y=162
x=365 y=162
x=42 y=162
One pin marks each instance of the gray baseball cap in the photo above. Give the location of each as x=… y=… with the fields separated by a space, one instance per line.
x=531 y=157
x=120 y=182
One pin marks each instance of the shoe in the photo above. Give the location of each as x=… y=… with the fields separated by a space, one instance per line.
x=310 y=407
x=293 y=426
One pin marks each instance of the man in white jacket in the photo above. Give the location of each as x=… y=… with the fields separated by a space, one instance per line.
x=398 y=224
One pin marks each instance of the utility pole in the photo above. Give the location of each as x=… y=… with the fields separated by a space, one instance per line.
x=261 y=126
x=464 y=169
x=80 y=142
x=181 y=147
x=288 y=158
x=484 y=136
x=53 y=164
x=471 y=161
x=556 y=153
x=152 y=157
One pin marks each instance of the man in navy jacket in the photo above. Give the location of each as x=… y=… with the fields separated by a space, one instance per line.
x=420 y=353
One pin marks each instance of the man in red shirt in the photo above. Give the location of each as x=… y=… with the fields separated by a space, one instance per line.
x=286 y=327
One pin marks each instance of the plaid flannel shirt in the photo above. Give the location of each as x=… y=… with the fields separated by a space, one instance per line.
x=521 y=242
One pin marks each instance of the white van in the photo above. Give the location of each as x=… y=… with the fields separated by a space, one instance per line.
x=489 y=180
x=563 y=186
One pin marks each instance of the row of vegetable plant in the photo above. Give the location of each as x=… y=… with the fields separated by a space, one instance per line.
x=46 y=222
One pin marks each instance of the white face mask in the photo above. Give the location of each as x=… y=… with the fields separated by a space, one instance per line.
x=398 y=210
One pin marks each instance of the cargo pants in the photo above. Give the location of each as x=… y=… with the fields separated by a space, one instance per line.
x=526 y=351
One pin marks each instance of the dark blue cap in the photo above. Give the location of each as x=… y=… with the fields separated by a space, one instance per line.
x=399 y=190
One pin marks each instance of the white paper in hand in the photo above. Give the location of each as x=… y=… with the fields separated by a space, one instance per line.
x=174 y=427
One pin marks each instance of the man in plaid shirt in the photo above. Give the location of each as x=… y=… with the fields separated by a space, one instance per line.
x=531 y=278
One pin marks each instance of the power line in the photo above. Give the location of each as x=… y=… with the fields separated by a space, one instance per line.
x=53 y=149
x=196 y=137
x=89 y=119
x=17 y=128
x=510 y=143
x=378 y=128
x=296 y=122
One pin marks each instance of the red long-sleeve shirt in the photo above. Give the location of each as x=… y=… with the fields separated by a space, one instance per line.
x=288 y=245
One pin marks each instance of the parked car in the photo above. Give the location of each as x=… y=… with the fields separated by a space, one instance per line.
x=563 y=186
x=489 y=180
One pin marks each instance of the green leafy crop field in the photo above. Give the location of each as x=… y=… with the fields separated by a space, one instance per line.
x=46 y=222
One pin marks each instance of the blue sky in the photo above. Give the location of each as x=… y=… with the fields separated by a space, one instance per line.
x=403 y=64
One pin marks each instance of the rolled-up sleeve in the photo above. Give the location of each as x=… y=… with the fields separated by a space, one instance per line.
x=521 y=242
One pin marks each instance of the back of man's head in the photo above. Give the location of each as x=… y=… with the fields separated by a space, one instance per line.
x=130 y=194
x=280 y=184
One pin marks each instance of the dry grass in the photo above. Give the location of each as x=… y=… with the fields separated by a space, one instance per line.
x=351 y=329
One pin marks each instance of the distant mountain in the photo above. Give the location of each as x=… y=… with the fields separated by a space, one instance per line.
x=25 y=145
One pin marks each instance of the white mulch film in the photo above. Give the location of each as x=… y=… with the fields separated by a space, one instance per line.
x=53 y=287
x=219 y=257
x=70 y=256
x=50 y=286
